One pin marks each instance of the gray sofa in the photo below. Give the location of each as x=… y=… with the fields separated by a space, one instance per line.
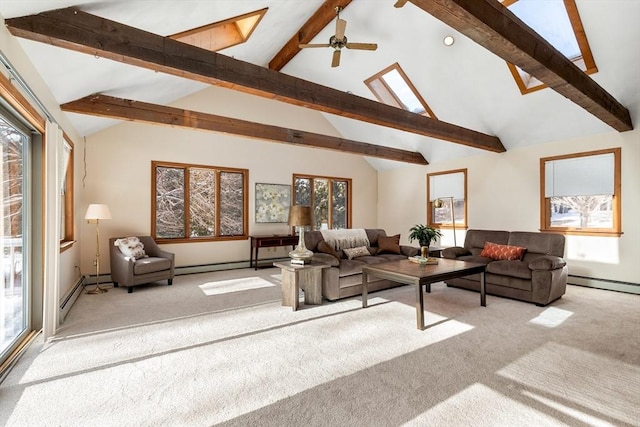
x=539 y=277
x=344 y=277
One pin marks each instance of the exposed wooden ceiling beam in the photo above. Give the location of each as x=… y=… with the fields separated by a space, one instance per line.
x=73 y=29
x=497 y=29
x=318 y=21
x=136 y=111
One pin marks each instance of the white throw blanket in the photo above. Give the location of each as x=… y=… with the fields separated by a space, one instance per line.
x=346 y=238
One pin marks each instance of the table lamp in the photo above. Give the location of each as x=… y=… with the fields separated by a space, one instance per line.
x=300 y=217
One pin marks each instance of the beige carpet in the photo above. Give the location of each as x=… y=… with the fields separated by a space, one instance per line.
x=219 y=349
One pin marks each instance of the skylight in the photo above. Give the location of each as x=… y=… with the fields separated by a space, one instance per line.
x=392 y=87
x=559 y=23
x=222 y=34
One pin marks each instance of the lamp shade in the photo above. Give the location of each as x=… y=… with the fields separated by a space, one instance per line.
x=299 y=215
x=96 y=211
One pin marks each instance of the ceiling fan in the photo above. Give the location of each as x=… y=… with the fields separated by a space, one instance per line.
x=338 y=41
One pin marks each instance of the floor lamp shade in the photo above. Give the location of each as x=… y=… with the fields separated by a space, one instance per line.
x=97 y=211
x=300 y=217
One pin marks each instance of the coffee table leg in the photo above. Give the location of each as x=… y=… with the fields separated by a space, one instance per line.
x=420 y=306
x=365 y=285
x=483 y=297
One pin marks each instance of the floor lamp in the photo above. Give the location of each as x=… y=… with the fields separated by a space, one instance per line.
x=439 y=203
x=95 y=213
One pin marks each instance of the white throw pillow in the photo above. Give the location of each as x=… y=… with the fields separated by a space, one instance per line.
x=131 y=248
x=352 y=253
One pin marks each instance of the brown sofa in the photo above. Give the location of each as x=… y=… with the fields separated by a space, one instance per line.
x=344 y=277
x=539 y=277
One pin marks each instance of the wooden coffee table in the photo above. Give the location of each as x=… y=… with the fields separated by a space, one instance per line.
x=410 y=273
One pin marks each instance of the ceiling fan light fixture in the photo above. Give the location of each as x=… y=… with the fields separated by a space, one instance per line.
x=448 y=40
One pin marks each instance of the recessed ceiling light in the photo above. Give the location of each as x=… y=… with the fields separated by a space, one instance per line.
x=448 y=40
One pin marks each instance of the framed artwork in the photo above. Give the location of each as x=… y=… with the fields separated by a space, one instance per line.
x=272 y=202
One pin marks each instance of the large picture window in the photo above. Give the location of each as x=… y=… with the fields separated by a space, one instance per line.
x=195 y=202
x=329 y=197
x=447 y=198
x=580 y=193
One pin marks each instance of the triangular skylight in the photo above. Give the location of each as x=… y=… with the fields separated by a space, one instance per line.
x=558 y=22
x=222 y=34
x=392 y=87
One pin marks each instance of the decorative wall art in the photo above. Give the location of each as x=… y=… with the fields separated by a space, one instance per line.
x=272 y=202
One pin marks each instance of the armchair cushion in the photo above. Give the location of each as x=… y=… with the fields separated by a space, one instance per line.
x=151 y=265
x=131 y=247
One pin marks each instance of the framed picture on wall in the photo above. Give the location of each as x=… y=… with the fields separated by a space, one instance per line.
x=272 y=202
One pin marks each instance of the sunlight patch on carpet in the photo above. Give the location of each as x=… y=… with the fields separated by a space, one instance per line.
x=575 y=413
x=551 y=317
x=235 y=285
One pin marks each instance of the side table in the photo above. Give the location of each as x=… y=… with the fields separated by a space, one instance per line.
x=307 y=276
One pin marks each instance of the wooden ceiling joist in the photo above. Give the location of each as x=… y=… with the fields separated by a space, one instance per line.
x=496 y=28
x=320 y=19
x=83 y=32
x=136 y=111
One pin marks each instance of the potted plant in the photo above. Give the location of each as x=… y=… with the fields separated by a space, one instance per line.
x=424 y=235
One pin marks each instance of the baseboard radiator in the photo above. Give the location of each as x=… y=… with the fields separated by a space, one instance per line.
x=611 y=285
x=67 y=301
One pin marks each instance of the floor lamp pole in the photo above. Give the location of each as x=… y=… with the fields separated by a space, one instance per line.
x=98 y=289
x=453 y=223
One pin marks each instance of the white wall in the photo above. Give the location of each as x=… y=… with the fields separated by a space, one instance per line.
x=119 y=172
x=503 y=194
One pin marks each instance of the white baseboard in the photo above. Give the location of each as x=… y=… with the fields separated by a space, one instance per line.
x=67 y=301
x=612 y=285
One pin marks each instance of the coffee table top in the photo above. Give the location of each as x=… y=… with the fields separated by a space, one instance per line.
x=405 y=269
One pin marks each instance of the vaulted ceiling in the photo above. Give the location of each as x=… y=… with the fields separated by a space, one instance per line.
x=119 y=49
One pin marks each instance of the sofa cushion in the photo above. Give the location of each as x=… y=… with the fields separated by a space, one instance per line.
x=502 y=252
x=360 y=251
x=151 y=265
x=511 y=268
x=475 y=258
x=349 y=267
x=389 y=244
x=326 y=248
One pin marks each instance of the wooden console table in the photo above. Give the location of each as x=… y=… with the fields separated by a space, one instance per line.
x=269 y=241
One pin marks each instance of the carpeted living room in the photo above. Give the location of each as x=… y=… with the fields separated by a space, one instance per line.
x=319 y=212
x=219 y=349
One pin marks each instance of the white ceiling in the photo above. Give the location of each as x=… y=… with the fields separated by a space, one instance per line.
x=464 y=84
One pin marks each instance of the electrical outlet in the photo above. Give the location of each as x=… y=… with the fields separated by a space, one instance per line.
x=95 y=262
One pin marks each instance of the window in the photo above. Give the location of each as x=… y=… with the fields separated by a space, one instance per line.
x=194 y=202
x=223 y=34
x=449 y=188
x=558 y=22
x=66 y=194
x=580 y=193
x=391 y=86
x=330 y=199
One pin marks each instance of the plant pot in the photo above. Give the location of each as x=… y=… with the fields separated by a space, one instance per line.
x=424 y=251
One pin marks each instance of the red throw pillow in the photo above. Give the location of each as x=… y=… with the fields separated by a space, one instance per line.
x=502 y=252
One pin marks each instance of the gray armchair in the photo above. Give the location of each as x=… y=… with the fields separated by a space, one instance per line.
x=159 y=265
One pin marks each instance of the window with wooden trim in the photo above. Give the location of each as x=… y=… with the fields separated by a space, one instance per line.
x=222 y=34
x=580 y=193
x=559 y=23
x=198 y=202
x=449 y=188
x=66 y=194
x=329 y=197
x=391 y=86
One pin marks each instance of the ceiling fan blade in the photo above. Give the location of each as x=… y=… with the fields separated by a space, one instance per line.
x=301 y=46
x=336 y=58
x=400 y=3
x=361 y=46
x=341 y=26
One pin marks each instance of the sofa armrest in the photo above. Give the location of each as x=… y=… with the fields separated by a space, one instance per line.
x=455 y=252
x=409 y=250
x=547 y=262
x=326 y=258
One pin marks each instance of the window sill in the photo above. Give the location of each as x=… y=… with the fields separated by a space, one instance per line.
x=66 y=245
x=609 y=233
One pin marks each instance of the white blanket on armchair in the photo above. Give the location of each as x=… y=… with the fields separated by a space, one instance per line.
x=346 y=238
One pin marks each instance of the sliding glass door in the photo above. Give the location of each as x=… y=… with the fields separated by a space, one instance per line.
x=14 y=289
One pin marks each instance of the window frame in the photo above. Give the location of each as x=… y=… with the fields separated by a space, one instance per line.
x=331 y=179
x=218 y=170
x=616 y=203
x=581 y=38
x=379 y=77
x=68 y=239
x=430 y=209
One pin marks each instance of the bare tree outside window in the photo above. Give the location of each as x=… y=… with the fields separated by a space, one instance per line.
x=199 y=202
x=329 y=198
